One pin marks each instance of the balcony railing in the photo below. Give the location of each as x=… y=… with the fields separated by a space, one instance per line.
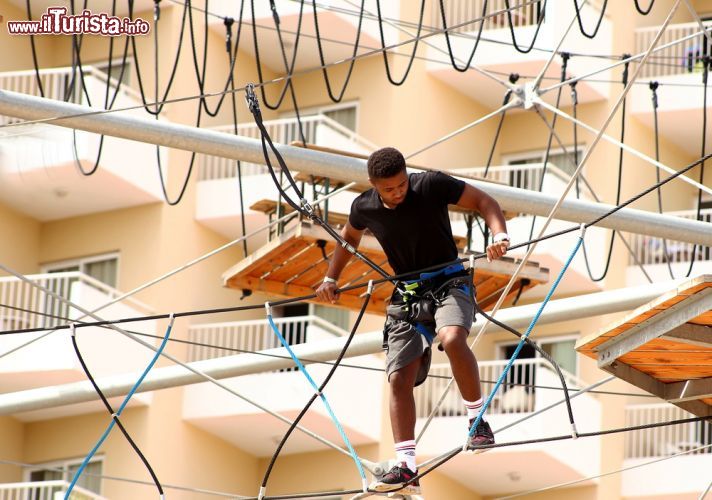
x=651 y=250
x=462 y=11
x=60 y=84
x=664 y=441
x=44 y=490
x=318 y=129
x=228 y=339
x=517 y=397
x=29 y=307
x=679 y=59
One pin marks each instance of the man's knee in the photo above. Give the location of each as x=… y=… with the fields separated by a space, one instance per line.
x=403 y=379
x=452 y=337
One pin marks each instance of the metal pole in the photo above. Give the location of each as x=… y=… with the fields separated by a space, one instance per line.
x=330 y=165
x=232 y=366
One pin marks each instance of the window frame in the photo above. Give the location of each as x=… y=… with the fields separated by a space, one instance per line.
x=64 y=465
x=502 y=345
x=316 y=110
x=81 y=262
x=507 y=159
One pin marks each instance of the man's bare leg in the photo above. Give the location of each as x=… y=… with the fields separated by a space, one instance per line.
x=462 y=361
x=402 y=401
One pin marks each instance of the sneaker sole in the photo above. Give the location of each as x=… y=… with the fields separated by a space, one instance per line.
x=395 y=489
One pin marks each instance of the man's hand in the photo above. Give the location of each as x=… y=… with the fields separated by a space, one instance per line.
x=497 y=250
x=327 y=292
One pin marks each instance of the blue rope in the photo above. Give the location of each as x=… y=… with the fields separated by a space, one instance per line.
x=522 y=341
x=321 y=395
x=118 y=412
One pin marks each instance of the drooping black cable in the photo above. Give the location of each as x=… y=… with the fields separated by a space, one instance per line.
x=643 y=11
x=619 y=185
x=304 y=410
x=34 y=52
x=415 y=45
x=450 y=52
x=156 y=113
x=322 y=59
x=115 y=417
x=656 y=132
x=565 y=56
x=541 y=14
x=598 y=23
x=158 y=104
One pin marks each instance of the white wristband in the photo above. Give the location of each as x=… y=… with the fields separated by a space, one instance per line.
x=500 y=237
x=329 y=280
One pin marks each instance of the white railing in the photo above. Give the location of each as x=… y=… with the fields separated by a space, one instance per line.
x=681 y=58
x=228 y=339
x=526 y=176
x=651 y=250
x=462 y=11
x=59 y=84
x=29 y=307
x=282 y=131
x=44 y=490
x=519 y=398
x=664 y=441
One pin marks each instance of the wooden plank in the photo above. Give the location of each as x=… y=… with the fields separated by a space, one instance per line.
x=676 y=372
x=636 y=358
x=663 y=344
x=296 y=263
x=275 y=259
x=703 y=319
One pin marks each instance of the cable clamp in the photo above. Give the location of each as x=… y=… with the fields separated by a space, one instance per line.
x=583 y=230
x=369 y=290
x=306 y=206
x=472 y=261
x=574 y=432
x=251 y=99
x=73 y=329
x=268 y=309
x=364 y=485
x=262 y=492
x=115 y=416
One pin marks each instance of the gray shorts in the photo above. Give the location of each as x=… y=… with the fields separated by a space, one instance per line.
x=404 y=343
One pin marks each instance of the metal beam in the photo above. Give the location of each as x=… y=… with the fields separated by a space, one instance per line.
x=654 y=327
x=689 y=390
x=329 y=165
x=367 y=343
x=655 y=387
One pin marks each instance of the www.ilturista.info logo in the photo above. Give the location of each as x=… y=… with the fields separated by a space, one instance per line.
x=56 y=21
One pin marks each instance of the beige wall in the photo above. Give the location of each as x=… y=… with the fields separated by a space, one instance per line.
x=12 y=435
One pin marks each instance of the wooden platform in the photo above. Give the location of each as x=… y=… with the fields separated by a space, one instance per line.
x=663 y=347
x=293 y=264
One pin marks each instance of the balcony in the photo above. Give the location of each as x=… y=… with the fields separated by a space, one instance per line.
x=524 y=467
x=682 y=477
x=51 y=360
x=44 y=490
x=496 y=53
x=38 y=171
x=338 y=20
x=218 y=200
x=549 y=253
x=285 y=391
x=678 y=69
x=651 y=252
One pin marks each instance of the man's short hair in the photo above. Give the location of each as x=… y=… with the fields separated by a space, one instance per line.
x=384 y=163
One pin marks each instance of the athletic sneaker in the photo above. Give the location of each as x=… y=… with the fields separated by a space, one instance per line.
x=483 y=436
x=395 y=478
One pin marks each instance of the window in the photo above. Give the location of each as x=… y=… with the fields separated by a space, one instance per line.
x=560 y=348
x=345 y=114
x=335 y=315
x=101 y=267
x=116 y=68
x=64 y=471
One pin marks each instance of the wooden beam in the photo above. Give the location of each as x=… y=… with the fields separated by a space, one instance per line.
x=689 y=390
x=692 y=334
x=654 y=387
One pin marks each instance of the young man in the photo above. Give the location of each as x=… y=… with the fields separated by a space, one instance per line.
x=408 y=215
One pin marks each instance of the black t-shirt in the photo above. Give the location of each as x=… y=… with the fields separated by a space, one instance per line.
x=417 y=233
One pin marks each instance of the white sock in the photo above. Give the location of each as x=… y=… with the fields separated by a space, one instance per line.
x=473 y=408
x=405 y=452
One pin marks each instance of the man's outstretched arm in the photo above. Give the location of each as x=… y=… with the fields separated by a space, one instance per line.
x=479 y=201
x=341 y=256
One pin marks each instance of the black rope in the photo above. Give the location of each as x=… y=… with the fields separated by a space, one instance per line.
x=116 y=418
x=34 y=52
x=619 y=185
x=352 y=61
x=384 y=52
x=306 y=407
x=449 y=45
x=644 y=12
x=598 y=23
x=541 y=15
